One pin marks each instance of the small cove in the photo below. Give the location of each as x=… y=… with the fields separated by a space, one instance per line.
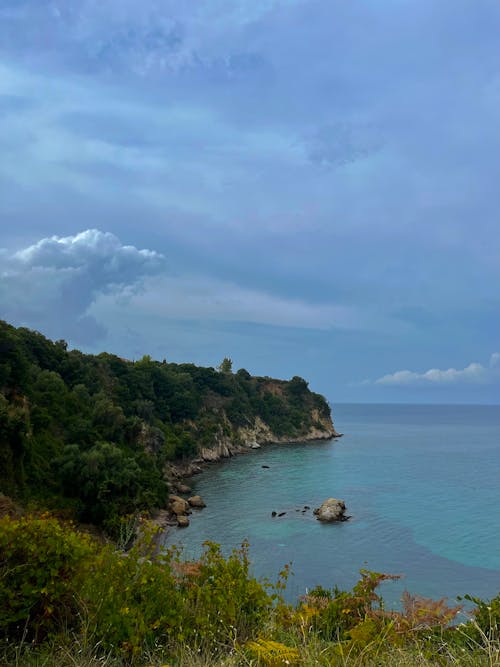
x=421 y=484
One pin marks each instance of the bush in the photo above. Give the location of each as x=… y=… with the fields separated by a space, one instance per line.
x=41 y=569
x=225 y=603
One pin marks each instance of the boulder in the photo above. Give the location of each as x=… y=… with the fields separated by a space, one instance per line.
x=179 y=509
x=331 y=509
x=196 y=501
x=182 y=521
x=183 y=488
x=178 y=505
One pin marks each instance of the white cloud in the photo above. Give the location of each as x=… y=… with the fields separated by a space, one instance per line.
x=51 y=284
x=91 y=248
x=474 y=373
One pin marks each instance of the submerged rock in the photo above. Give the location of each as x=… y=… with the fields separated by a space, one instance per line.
x=330 y=510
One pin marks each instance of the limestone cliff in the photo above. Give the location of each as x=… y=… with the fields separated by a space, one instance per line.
x=244 y=438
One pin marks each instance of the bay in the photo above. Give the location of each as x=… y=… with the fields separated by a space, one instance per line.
x=421 y=484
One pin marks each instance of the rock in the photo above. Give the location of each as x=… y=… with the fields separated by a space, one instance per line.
x=254 y=445
x=264 y=466
x=273 y=514
x=183 y=488
x=306 y=507
x=196 y=501
x=210 y=455
x=178 y=505
x=331 y=509
x=182 y=521
x=178 y=508
x=161 y=518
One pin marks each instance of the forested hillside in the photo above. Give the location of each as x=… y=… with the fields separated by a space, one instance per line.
x=92 y=433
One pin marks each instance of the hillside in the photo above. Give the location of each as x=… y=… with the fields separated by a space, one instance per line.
x=94 y=434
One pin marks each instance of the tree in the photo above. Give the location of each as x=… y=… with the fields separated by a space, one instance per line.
x=226 y=366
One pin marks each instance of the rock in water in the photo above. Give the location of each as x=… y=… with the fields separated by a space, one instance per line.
x=178 y=505
x=182 y=521
x=179 y=509
x=331 y=509
x=196 y=501
x=183 y=488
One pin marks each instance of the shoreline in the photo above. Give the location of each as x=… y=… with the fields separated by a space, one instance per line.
x=177 y=473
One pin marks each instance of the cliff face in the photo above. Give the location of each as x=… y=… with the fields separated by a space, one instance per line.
x=245 y=438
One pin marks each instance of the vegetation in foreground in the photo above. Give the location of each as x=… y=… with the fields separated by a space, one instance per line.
x=66 y=599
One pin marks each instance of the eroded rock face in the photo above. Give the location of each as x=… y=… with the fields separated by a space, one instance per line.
x=196 y=501
x=330 y=510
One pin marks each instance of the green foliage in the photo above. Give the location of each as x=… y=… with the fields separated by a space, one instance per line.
x=94 y=432
x=338 y=612
x=52 y=577
x=272 y=653
x=485 y=625
x=225 y=366
x=41 y=568
x=226 y=603
x=108 y=483
x=142 y=607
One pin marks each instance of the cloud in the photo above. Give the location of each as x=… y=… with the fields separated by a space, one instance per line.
x=200 y=298
x=342 y=143
x=474 y=373
x=52 y=283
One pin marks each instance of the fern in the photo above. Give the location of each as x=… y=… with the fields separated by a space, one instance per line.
x=273 y=654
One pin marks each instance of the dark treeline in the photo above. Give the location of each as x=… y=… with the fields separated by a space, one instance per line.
x=92 y=433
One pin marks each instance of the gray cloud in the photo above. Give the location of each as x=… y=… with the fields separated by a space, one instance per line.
x=338 y=144
x=52 y=283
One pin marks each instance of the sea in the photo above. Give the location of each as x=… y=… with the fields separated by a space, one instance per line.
x=421 y=484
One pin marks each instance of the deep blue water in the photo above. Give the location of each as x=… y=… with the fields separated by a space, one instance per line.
x=422 y=484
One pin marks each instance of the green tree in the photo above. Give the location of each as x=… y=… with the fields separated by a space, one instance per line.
x=226 y=366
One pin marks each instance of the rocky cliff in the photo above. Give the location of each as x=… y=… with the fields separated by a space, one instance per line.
x=241 y=440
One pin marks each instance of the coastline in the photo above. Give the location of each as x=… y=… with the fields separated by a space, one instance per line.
x=246 y=441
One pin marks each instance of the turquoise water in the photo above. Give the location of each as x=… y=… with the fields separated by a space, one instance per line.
x=420 y=482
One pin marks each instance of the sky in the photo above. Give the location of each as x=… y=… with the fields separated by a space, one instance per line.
x=309 y=187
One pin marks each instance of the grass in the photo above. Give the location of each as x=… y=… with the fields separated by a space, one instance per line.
x=82 y=651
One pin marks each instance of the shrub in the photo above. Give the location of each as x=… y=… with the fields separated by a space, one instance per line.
x=41 y=569
x=133 y=601
x=224 y=602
